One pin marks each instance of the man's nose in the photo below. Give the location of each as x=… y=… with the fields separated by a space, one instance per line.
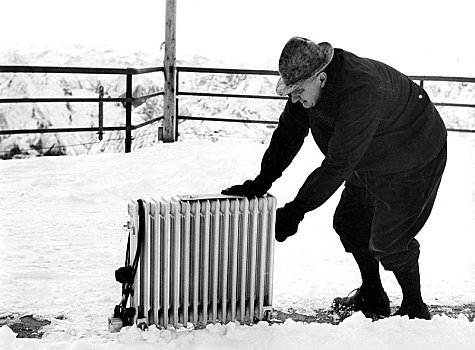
x=295 y=98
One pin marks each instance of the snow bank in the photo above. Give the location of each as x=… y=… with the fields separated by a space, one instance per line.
x=356 y=332
x=61 y=240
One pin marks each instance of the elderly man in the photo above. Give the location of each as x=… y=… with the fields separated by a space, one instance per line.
x=383 y=138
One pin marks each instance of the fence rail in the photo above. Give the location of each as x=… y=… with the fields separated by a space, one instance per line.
x=420 y=78
x=129 y=100
x=78 y=70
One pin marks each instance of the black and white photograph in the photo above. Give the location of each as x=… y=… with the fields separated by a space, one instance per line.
x=212 y=174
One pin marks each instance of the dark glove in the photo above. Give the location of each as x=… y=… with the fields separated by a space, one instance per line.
x=287 y=221
x=249 y=189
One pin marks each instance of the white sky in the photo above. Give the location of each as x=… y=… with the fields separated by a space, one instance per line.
x=433 y=37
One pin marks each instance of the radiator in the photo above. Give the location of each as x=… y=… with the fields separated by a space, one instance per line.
x=205 y=259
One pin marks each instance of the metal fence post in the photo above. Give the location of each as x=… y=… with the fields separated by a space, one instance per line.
x=177 y=112
x=101 y=113
x=128 y=114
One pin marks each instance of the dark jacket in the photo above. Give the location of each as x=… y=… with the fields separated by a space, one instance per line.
x=370 y=118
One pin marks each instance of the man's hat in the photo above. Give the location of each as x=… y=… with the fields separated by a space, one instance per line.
x=300 y=60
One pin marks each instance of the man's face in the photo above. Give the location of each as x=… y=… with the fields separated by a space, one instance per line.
x=309 y=93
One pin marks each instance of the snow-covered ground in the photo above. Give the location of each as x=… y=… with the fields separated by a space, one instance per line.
x=61 y=240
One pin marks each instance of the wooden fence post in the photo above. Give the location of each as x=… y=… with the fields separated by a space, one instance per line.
x=169 y=64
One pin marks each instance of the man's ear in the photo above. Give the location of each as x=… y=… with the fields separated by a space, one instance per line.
x=322 y=79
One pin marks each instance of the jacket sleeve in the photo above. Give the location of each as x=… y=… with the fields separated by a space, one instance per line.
x=356 y=124
x=285 y=143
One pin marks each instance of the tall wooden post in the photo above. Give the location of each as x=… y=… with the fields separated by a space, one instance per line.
x=169 y=64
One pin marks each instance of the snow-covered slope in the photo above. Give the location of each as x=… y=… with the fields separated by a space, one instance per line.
x=49 y=115
x=60 y=115
x=61 y=239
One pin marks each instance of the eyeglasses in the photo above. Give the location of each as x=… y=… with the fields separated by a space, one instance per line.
x=296 y=92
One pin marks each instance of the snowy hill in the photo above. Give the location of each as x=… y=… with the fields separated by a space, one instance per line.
x=58 y=115
x=49 y=115
x=61 y=240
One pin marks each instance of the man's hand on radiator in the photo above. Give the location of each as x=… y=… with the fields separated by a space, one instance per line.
x=249 y=189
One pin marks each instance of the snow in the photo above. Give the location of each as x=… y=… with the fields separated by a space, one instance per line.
x=61 y=239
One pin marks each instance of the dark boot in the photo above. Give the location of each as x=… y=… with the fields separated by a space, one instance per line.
x=373 y=304
x=412 y=304
x=370 y=298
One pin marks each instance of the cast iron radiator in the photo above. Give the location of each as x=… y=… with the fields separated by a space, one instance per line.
x=205 y=259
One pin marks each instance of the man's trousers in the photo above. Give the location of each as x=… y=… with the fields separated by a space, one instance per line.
x=382 y=213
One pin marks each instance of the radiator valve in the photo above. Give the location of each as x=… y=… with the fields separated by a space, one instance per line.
x=127 y=226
